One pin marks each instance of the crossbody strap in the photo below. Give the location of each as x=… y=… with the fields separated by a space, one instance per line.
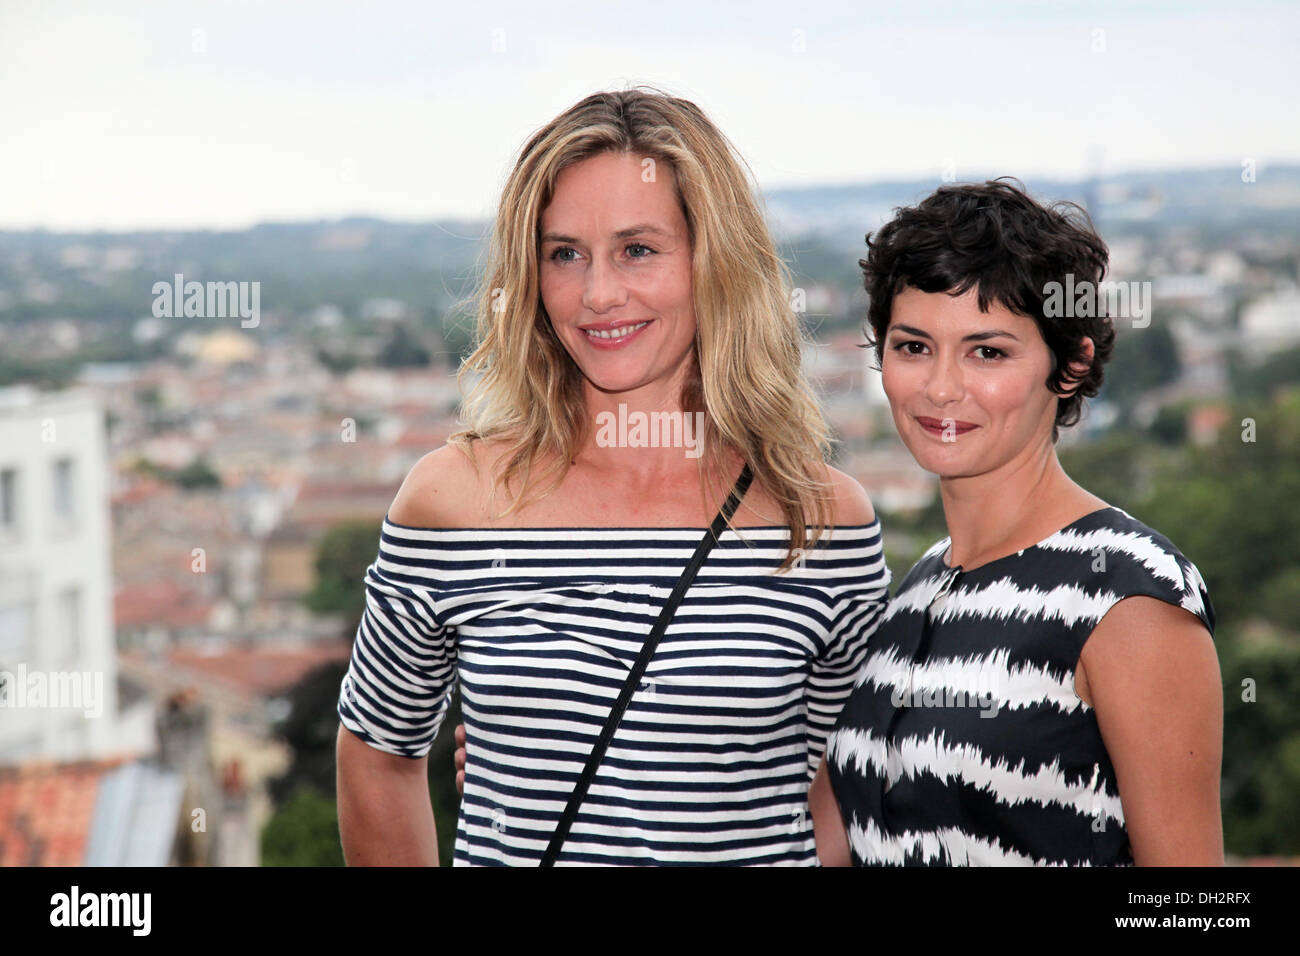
x=638 y=668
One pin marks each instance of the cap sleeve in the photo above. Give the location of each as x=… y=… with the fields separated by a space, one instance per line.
x=860 y=585
x=403 y=667
x=1132 y=560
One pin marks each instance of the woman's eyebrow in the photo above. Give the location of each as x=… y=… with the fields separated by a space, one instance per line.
x=641 y=229
x=991 y=334
x=973 y=337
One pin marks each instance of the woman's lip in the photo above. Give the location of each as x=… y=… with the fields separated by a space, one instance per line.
x=944 y=424
x=618 y=343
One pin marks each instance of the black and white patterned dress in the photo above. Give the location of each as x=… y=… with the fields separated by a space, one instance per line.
x=964 y=742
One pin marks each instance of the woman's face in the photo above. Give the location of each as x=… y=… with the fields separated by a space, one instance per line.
x=967 y=388
x=616 y=254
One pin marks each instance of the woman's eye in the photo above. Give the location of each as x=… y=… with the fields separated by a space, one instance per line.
x=989 y=353
x=556 y=256
x=638 y=245
x=909 y=348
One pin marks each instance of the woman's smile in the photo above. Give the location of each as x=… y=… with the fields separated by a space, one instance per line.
x=947 y=428
x=613 y=335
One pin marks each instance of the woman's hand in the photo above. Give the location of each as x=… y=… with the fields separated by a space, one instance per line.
x=1151 y=672
x=460 y=759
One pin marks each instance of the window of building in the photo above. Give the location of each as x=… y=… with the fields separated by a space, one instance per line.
x=65 y=498
x=17 y=634
x=8 y=501
x=68 y=616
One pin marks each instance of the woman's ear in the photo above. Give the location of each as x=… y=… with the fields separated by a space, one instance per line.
x=1079 y=367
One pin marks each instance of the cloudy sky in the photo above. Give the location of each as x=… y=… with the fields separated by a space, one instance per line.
x=120 y=115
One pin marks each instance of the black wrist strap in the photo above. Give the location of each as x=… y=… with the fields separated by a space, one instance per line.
x=638 y=668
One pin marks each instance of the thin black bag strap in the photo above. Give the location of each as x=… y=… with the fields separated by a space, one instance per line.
x=642 y=661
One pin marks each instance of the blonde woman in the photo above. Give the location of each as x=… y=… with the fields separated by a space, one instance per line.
x=636 y=353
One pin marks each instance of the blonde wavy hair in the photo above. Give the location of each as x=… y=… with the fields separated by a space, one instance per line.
x=747 y=374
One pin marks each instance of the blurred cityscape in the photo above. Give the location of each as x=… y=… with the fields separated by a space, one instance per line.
x=188 y=504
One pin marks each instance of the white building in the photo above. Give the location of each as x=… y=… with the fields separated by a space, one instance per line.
x=58 y=660
x=1271 y=323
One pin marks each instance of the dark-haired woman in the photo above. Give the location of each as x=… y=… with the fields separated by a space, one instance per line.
x=1043 y=689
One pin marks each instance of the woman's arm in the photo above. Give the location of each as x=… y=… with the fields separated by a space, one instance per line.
x=828 y=826
x=1150 y=671
x=852 y=507
x=385 y=815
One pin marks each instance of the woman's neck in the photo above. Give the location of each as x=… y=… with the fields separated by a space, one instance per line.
x=993 y=515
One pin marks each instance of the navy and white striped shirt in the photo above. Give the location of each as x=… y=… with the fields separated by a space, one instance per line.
x=712 y=761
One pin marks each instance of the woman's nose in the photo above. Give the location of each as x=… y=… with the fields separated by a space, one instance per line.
x=944 y=384
x=604 y=289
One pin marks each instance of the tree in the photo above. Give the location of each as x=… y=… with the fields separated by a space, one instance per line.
x=338 y=364
x=1230 y=508
x=342 y=557
x=1261 y=743
x=197 y=474
x=1261 y=379
x=304 y=831
x=311 y=727
x=310 y=732
x=403 y=350
x=1143 y=359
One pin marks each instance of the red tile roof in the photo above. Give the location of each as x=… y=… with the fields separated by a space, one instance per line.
x=342 y=488
x=46 y=811
x=258 y=670
x=161 y=602
x=142 y=490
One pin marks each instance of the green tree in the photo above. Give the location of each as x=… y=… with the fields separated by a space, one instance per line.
x=196 y=475
x=403 y=350
x=1143 y=359
x=303 y=831
x=339 y=364
x=1230 y=507
x=1170 y=425
x=1261 y=742
x=311 y=727
x=1260 y=379
x=311 y=730
x=342 y=557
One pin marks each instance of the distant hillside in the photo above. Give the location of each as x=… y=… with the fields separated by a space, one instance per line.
x=1212 y=197
x=429 y=266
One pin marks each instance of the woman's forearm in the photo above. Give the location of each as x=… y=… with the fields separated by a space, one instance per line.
x=385 y=815
x=828 y=826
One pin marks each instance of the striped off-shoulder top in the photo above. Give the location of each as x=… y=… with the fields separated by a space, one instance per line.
x=712 y=762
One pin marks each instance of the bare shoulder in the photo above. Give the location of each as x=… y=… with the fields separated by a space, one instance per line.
x=852 y=506
x=442 y=489
x=1143 y=639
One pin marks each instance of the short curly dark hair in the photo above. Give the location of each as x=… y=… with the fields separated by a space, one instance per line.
x=994 y=236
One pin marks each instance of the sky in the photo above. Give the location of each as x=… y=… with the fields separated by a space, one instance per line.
x=180 y=115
